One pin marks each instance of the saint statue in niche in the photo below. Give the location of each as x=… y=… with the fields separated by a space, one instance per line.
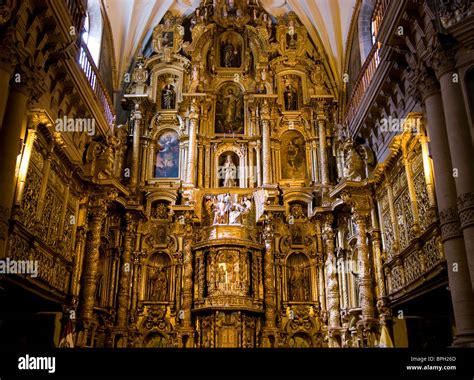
x=297 y=285
x=230 y=172
x=230 y=110
x=298 y=278
x=231 y=51
x=294 y=152
x=159 y=285
x=168 y=97
x=167 y=156
x=291 y=97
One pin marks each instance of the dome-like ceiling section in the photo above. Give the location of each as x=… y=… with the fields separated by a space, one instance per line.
x=132 y=22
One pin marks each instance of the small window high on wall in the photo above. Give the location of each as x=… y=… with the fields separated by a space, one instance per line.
x=92 y=33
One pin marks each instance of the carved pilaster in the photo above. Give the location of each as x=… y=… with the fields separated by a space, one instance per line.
x=137 y=119
x=98 y=212
x=266 y=153
x=360 y=203
x=322 y=119
x=188 y=282
x=365 y=279
x=269 y=282
x=192 y=142
x=331 y=275
x=125 y=273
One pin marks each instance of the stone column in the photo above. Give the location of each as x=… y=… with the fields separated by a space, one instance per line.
x=345 y=292
x=144 y=175
x=266 y=151
x=192 y=142
x=201 y=166
x=207 y=165
x=365 y=279
x=453 y=243
x=259 y=165
x=314 y=161
x=322 y=288
x=321 y=117
x=251 y=166
x=137 y=118
x=98 y=213
x=383 y=310
x=460 y=145
x=14 y=125
x=75 y=285
x=331 y=278
x=123 y=297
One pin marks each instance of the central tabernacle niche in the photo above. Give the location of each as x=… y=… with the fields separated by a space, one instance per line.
x=230 y=110
x=228 y=170
x=298 y=278
x=230 y=46
x=158 y=277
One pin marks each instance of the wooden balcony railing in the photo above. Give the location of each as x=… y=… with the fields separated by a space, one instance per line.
x=85 y=61
x=76 y=11
x=369 y=67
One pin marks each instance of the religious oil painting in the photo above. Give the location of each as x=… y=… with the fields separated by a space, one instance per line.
x=167 y=155
x=293 y=163
x=230 y=110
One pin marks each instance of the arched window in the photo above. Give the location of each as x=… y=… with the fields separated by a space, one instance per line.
x=92 y=33
x=367 y=28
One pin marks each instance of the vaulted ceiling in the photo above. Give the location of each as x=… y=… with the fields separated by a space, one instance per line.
x=327 y=22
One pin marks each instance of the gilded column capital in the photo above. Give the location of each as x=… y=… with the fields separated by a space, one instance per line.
x=194 y=110
x=359 y=202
